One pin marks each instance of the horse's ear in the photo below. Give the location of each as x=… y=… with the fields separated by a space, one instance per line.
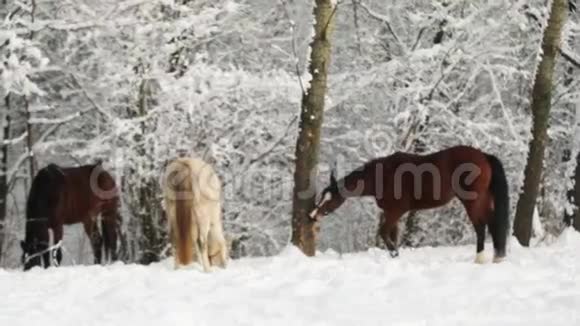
x=333 y=182
x=98 y=162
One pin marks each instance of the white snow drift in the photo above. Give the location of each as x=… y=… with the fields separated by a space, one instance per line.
x=428 y=286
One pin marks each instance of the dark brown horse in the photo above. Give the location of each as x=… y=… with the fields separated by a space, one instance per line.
x=405 y=182
x=67 y=195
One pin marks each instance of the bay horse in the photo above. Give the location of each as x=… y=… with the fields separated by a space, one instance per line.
x=192 y=192
x=68 y=195
x=404 y=182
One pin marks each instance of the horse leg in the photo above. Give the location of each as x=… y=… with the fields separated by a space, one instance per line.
x=217 y=247
x=57 y=237
x=201 y=242
x=389 y=231
x=97 y=245
x=480 y=234
x=91 y=228
x=173 y=244
x=202 y=250
x=105 y=253
x=109 y=227
x=44 y=237
x=474 y=209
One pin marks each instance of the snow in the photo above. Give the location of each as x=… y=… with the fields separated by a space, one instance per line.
x=426 y=286
x=537 y=227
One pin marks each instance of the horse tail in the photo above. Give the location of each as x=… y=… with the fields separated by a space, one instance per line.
x=182 y=190
x=499 y=225
x=110 y=226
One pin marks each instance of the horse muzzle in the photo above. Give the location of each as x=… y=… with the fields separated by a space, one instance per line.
x=315 y=215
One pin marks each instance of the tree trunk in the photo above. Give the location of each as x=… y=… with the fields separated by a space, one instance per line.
x=146 y=190
x=576 y=198
x=29 y=141
x=540 y=107
x=4 y=121
x=308 y=143
x=29 y=136
x=573 y=196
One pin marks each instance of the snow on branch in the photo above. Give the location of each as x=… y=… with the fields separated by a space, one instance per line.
x=386 y=21
x=46 y=121
x=14 y=141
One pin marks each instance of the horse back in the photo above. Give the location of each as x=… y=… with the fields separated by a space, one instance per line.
x=428 y=181
x=207 y=185
x=81 y=193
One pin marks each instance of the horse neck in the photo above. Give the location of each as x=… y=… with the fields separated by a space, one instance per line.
x=360 y=182
x=36 y=228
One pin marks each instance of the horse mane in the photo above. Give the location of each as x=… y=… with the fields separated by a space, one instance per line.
x=362 y=172
x=43 y=198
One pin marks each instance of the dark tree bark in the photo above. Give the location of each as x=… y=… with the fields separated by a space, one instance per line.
x=4 y=171
x=540 y=107
x=29 y=141
x=147 y=209
x=573 y=196
x=576 y=198
x=307 y=147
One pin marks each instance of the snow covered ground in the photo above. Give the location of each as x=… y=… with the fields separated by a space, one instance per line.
x=427 y=286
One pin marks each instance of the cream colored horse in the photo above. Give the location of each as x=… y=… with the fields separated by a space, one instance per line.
x=192 y=192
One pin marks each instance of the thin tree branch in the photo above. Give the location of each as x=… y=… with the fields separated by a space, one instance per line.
x=269 y=150
x=294 y=50
x=570 y=58
x=330 y=18
x=418 y=39
x=12 y=172
x=383 y=19
x=14 y=141
x=356 y=25
x=90 y=99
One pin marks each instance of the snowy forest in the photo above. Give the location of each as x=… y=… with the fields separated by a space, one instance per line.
x=134 y=83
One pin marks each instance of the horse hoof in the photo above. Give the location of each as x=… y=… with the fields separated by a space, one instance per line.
x=498 y=259
x=480 y=258
x=394 y=254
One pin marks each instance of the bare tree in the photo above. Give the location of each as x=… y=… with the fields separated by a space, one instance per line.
x=307 y=147
x=572 y=218
x=5 y=121
x=540 y=107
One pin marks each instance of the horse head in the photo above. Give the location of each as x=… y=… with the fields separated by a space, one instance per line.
x=330 y=199
x=32 y=253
